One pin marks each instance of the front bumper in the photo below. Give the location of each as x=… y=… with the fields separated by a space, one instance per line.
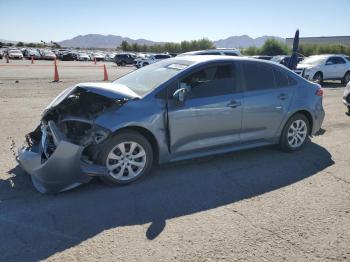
x=63 y=170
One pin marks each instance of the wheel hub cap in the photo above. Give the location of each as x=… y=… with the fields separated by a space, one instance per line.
x=126 y=160
x=297 y=133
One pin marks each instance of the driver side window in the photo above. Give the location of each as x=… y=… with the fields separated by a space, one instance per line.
x=210 y=81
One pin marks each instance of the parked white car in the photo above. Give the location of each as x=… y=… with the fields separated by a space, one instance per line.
x=47 y=55
x=15 y=54
x=325 y=67
x=83 y=57
x=150 y=60
x=219 y=51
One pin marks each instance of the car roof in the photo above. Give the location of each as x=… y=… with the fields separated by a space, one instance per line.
x=197 y=59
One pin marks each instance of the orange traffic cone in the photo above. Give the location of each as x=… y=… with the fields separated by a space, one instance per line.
x=95 y=60
x=32 y=60
x=7 y=59
x=105 y=74
x=56 y=78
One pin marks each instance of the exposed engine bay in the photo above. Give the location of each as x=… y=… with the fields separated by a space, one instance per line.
x=61 y=151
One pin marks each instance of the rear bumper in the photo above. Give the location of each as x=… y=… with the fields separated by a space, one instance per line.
x=64 y=168
x=318 y=120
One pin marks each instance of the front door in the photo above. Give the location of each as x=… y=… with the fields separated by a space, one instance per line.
x=211 y=114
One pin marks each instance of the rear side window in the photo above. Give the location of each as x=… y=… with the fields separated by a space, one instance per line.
x=339 y=60
x=282 y=79
x=230 y=54
x=258 y=76
x=211 y=81
x=209 y=53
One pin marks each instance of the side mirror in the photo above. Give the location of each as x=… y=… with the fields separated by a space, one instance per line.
x=179 y=96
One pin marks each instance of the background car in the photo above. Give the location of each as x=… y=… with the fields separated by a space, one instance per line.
x=124 y=59
x=83 y=57
x=14 y=54
x=151 y=59
x=31 y=52
x=284 y=59
x=69 y=56
x=47 y=54
x=325 y=67
x=219 y=51
x=263 y=57
x=98 y=57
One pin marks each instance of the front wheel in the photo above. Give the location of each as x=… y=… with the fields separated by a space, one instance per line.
x=318 y=78
x=127 y=156
x=295 y=133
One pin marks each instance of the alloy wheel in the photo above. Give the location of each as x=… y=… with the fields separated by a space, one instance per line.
x=297 y=133
x=126 y=160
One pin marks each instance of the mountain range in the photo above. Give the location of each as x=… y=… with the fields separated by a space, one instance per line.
x=112 y=41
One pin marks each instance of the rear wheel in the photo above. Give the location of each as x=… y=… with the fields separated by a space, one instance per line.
x=318 y=78
x=295 y=133
x=127 y=157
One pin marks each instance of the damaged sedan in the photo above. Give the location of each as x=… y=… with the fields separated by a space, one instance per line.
x=175 y=109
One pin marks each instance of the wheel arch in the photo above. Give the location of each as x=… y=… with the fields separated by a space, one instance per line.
x=148 y=135
x=307 y=114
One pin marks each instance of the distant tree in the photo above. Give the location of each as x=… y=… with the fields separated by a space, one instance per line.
x=20 y=44
x=135 y=47
x=9 y=44
x=125 y=46
x=251 y=50
x=1 y=44
x=273 y=47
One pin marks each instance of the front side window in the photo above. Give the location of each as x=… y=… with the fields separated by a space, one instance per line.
x=258 y=76
x=211 y=81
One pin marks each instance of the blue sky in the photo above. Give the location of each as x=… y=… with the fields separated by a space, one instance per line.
x=174 y=20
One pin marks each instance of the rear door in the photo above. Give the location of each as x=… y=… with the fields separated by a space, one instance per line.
x=212 y=112
x=267 y=96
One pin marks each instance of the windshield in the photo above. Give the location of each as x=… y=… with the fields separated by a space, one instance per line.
x=149 y=77
x=313 y=60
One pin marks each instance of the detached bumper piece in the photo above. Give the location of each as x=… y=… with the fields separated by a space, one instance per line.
x=60 y=170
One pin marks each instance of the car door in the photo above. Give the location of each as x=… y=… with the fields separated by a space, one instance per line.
x=332 y=68
x=211 y=114
x=268 y=91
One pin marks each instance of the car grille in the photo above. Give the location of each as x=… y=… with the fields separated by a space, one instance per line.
x=348 y=98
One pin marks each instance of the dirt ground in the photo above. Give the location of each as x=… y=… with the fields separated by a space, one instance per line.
x=253 y=205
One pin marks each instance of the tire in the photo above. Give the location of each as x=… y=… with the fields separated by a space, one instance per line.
x=121 y=165
x=318 y=77
x=295 y=133
x=346 y=78
x=145 y=64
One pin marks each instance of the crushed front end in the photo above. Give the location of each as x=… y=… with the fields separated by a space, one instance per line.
x=60 y=153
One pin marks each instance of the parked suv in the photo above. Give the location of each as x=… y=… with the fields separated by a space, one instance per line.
x=175 y=109
x=325 y=67
x=124 y=59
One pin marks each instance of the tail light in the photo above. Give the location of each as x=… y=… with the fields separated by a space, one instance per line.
x=319 y=92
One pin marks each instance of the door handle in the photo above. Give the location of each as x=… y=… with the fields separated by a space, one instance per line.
x=234 y=104
x=283 y=96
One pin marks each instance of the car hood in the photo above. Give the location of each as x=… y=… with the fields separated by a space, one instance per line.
x=306 y=66
x=110 y=90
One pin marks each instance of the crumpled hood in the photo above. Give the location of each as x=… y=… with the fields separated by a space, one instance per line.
x=111 y=90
